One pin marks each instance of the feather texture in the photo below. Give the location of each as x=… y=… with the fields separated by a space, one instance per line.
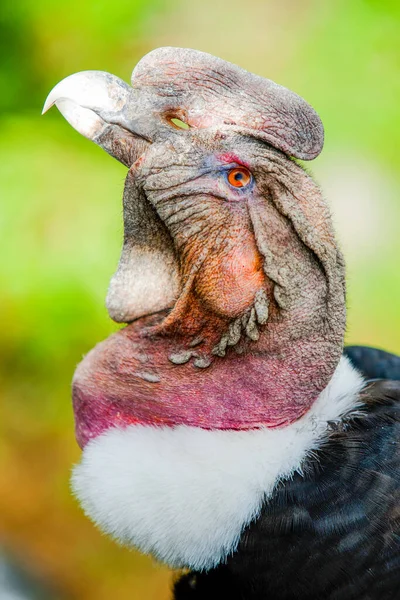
x=332 y=533
x=374 y=363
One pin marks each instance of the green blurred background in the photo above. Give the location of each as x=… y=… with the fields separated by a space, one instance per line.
x=61 y=226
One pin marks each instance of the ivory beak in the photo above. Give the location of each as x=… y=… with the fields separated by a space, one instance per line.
x=89 y=100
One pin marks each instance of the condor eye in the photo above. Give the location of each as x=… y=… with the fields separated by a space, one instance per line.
x=239 y=177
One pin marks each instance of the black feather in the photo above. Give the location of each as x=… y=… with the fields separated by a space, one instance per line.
x=330 y=534
x=374 y=363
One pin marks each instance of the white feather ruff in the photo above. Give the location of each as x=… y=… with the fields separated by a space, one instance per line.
x=184 y=494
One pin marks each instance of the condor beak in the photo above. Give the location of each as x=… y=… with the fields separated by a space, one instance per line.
x=88 y=100
x=98 y=105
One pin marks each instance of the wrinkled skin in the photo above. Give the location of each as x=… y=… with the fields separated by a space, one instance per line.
x=235 y=297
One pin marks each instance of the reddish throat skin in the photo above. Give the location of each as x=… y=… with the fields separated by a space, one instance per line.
x=130 y=379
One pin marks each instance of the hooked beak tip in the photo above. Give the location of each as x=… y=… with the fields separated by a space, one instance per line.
x=49 y=102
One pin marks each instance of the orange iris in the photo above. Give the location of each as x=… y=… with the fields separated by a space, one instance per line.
x=239 y=177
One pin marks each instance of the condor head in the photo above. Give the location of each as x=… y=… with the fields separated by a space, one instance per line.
x=230 y=279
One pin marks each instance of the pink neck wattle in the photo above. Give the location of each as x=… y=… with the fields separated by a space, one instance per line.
x=130 y=378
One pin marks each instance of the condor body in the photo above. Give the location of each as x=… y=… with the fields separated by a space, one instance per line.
x=223 y=430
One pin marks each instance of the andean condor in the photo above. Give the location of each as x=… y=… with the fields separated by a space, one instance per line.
x=223 y=429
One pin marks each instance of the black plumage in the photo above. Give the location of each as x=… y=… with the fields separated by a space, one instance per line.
x=374 y=363
x=334 y=532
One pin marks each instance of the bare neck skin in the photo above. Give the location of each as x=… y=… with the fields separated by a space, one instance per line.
x=255 y=333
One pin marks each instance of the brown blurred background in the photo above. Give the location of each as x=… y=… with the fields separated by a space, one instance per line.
x=61 y=225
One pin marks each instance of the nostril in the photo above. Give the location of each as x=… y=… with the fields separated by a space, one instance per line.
x=179 y=124
x=177 y=119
